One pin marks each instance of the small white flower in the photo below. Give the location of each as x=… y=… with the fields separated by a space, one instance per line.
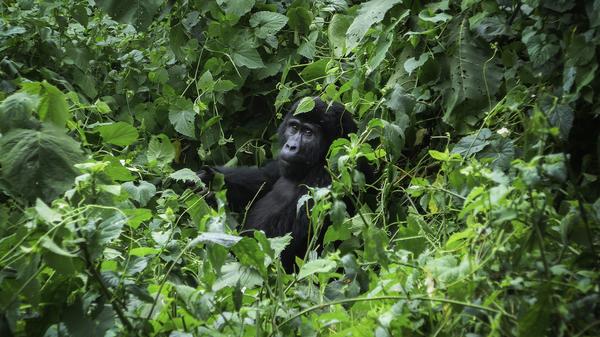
x=504 y=132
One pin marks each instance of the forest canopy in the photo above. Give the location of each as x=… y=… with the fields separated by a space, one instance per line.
x=480 y=119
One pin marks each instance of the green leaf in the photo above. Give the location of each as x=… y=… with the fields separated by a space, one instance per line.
x=16 y=111
x=138 y=12
x=119 y=133
x=446 y=269
x=248 y=57
x=185 y=175
x=236 y=7
x=80 y=323
x=182 y=116
x=383 y=45
x=135 y=216
x=46 y=213
x=279 y=243
x=369 y=13
x=102 y=107
x=316 y=266
x=225 y=240
x=141 y=193
x=300 y=19
x=315 y=70
x=536 y=319
x=53 y=105
x=540 y=46
x=234 y=273
x=250 y=254
x=412 y=63
x=107 y=231
x=375 y=242
x=308 y=48
x=306 y=104
x=474 y=143
x=267 y=23
x=143 y=251
x=38 y=164
x=435 y=18
x=224 y=86
x=115 y=170
x=161 y=151
x=475 y=82
x=50 y=245
x=336 y=32
x=562 y=116
x=206 y=82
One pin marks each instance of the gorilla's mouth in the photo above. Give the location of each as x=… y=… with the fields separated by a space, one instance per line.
x=294 y=162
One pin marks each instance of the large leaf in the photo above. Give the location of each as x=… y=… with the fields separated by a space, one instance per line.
x=38 y=163
x=234 y=273
x=244 y=54
x=53 y=106
x=182 y=116
x=369 y=14
x=138 y=12
x=475 y=81
x=472 y=144
x=161 y=151
x=316 y=266
x=16 y=111
x=337 y=33
x=184 y=175
x=119 y=133
x=236 y=7
x=267 y=23
x=141 y=193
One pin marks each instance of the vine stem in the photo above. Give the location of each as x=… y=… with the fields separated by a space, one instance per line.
x=379 y=298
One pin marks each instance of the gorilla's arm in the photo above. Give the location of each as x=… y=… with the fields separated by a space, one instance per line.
x=244 y=183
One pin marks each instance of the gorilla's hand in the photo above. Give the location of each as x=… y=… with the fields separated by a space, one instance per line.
x=206 y=174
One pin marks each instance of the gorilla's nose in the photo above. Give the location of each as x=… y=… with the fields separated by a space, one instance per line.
x=291 y=148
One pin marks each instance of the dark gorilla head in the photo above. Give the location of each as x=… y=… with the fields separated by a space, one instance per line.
x=306 y=137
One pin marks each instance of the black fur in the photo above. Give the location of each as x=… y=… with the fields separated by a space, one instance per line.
x=276 y=187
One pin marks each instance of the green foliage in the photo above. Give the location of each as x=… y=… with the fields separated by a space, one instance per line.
x=38 y=163
x=479 y=118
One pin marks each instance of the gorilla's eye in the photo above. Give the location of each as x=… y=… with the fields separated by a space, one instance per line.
x=308 y=132
x=294 y=127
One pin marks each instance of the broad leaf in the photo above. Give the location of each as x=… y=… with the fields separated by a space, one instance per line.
x=337 y=33
x=182 y=116
x=161 y=151
x=236 y=7
x=185 y=175
x=225 y=240
x=472 y=144
x=234 y=273
x=138 y=12
x=16 y=111
x=141 y=193
x=53 y=105
x=267 y=23
x=370 y=13
x=305 y=105
x=316 y=266
x=119 y=133
x=38 y=163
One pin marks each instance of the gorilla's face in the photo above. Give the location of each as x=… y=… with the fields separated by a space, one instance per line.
x=303 y=146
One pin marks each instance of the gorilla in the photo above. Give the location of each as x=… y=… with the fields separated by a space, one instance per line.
x=271 y=192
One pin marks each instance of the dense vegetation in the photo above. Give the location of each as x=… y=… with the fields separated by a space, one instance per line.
x=481 y=117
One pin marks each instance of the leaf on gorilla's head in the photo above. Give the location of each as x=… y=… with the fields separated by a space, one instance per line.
x=38 y=163
x=306 y=104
